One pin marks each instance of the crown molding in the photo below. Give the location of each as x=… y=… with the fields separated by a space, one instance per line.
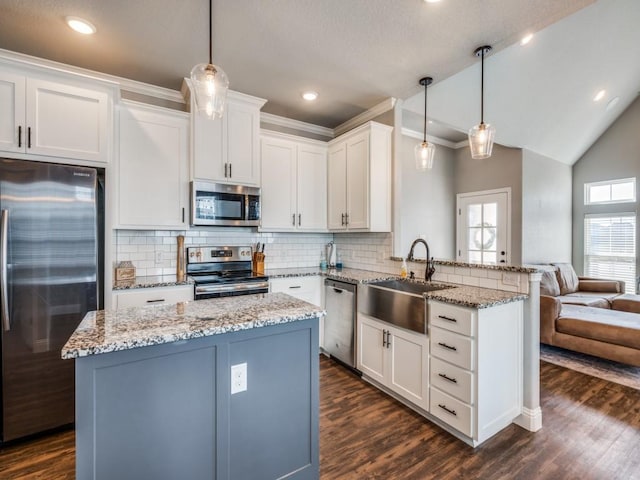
x=271 y=119
x=365 y=116
x=437 y=140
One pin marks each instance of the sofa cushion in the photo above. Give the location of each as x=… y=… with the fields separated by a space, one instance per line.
x=599 y=285
x=611 y=326
x=549 y=284
x=607 y=296
x=567 y=278
x=585 y=301
x=627 y=303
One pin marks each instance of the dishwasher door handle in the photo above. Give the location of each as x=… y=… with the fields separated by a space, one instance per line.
x=338 y=290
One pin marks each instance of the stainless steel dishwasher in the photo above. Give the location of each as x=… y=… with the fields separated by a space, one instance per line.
x=340 y=321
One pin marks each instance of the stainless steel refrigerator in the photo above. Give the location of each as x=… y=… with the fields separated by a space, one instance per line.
x=51 y=226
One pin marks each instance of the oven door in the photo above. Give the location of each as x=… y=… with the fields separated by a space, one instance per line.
x=216 y=290
x=220 y=204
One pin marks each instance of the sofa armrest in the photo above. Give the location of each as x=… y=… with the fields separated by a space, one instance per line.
x=550 y=308
x=586 y=284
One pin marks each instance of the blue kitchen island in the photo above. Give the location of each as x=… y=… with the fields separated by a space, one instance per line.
x=153 y=390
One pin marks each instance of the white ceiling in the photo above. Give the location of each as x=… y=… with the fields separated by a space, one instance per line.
x=356 y=53
x=540 y=96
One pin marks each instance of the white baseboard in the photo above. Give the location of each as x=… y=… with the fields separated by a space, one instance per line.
x=530 y=419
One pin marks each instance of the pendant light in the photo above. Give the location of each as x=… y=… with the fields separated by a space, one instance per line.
x=209 y=82
x=481 y=136
x=424 y=151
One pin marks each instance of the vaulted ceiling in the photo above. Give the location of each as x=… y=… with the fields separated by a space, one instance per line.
x=356 y=53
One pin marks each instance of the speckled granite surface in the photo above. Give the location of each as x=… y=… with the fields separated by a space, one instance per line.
x=351 y=275
x=152 y=282
x=452 y=263
x=110 y=331
x=474 y=297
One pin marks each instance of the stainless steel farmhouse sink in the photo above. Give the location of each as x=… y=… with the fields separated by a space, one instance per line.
x=398 y=302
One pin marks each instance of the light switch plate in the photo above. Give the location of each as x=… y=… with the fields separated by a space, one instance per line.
x=512 y=279
x=238 y=378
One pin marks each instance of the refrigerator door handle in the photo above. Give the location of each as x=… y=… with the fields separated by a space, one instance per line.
x=4 y=297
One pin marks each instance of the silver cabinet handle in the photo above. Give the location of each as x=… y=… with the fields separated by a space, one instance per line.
x=226 y=170
x=293 y=219
x=448 y=347
x=4 y=233
x=444 y=407
x=295 y=286
x=299 y=219
x=158 y=300
x=446 y=377
x=444 y=317
x=346 y=219
x=384 y=338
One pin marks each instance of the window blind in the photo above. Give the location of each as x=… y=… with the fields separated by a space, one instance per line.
x=610 y=248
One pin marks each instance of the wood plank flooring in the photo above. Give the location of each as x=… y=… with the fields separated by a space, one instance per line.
x=591 y=431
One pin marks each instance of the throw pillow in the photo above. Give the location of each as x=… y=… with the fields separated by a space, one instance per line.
x=549 y=284
x=567 y=278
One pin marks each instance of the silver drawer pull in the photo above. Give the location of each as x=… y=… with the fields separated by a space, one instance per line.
x=448 y=410
x=448 y=347
x=452 y=380
x=449 y=319
x=156 y=301
x=295 y=286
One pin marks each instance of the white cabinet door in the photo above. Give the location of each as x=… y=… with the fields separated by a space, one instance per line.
x=337 y=186
x=372 y=355
x=12 y=112
x=358 y=181
x=409 y=366
x=152 y=168
x=278 y=197
x=208 y=148
x=312 y=188
x=66 y=121
x=243 y=127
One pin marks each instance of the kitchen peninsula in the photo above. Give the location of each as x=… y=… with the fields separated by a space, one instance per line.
x=154 y=390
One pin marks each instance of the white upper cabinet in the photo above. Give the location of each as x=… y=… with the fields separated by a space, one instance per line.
x=45 y=117
x=294 y=186
x=359 y=180
x=226 y=149
x=153 y=175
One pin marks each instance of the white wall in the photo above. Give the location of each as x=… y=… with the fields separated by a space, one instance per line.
x=546 y=209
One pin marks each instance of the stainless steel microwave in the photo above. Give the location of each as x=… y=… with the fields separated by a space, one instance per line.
x=224 y=205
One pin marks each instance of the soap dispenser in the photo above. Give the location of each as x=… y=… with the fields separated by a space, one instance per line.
x=403 y=269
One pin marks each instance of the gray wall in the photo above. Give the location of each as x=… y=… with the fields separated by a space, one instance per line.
x=616 y=154
x=546 y=209
x=428 y=201
x=502 y=169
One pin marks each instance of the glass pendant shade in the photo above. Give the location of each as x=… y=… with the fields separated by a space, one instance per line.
x=424 y=153
x=481 y=140
x=209 y=86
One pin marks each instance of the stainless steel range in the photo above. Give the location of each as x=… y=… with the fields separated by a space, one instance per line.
x=223 y=272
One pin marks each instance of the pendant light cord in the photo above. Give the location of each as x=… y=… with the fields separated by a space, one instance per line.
x=425 y=113
x=482 y=88
x=210 y=32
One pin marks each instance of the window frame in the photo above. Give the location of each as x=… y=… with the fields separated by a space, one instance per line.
x=610 y=183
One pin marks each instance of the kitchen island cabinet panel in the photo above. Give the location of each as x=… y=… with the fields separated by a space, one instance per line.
x=166 y=411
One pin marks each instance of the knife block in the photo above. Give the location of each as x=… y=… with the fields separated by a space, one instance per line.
x=258 y=263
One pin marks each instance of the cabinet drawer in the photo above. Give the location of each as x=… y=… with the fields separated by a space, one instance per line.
x=305 y=288
x=141 y=297
x=453 y=380
x=451 y=411
x=451 y=317
x=452 y=347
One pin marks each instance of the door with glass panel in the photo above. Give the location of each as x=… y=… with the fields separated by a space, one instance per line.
x=483 y=227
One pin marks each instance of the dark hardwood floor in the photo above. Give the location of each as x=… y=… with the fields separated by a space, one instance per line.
x=591 y=431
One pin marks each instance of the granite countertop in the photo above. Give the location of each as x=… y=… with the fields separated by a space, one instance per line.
x=106 y=331
x=474 y=297
x=152 y=281
x=350 y=275
x=454 y=263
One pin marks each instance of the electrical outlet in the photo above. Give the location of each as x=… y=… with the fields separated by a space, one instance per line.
x=238 y=378
x=158 y=257
x=512 y=279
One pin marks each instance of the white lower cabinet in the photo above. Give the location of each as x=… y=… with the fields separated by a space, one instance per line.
x=476 y=367
x=396 y=358
x=309 y=288
x=140 y=297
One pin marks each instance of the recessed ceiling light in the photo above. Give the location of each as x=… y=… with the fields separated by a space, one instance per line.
x=81 y=26
x=310 y=96
x=612 y=103
x=526 y=39
x=431 y=1
x=599 y=96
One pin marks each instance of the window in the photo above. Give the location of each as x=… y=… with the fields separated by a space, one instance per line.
x=611 y=191
x=610 y=247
